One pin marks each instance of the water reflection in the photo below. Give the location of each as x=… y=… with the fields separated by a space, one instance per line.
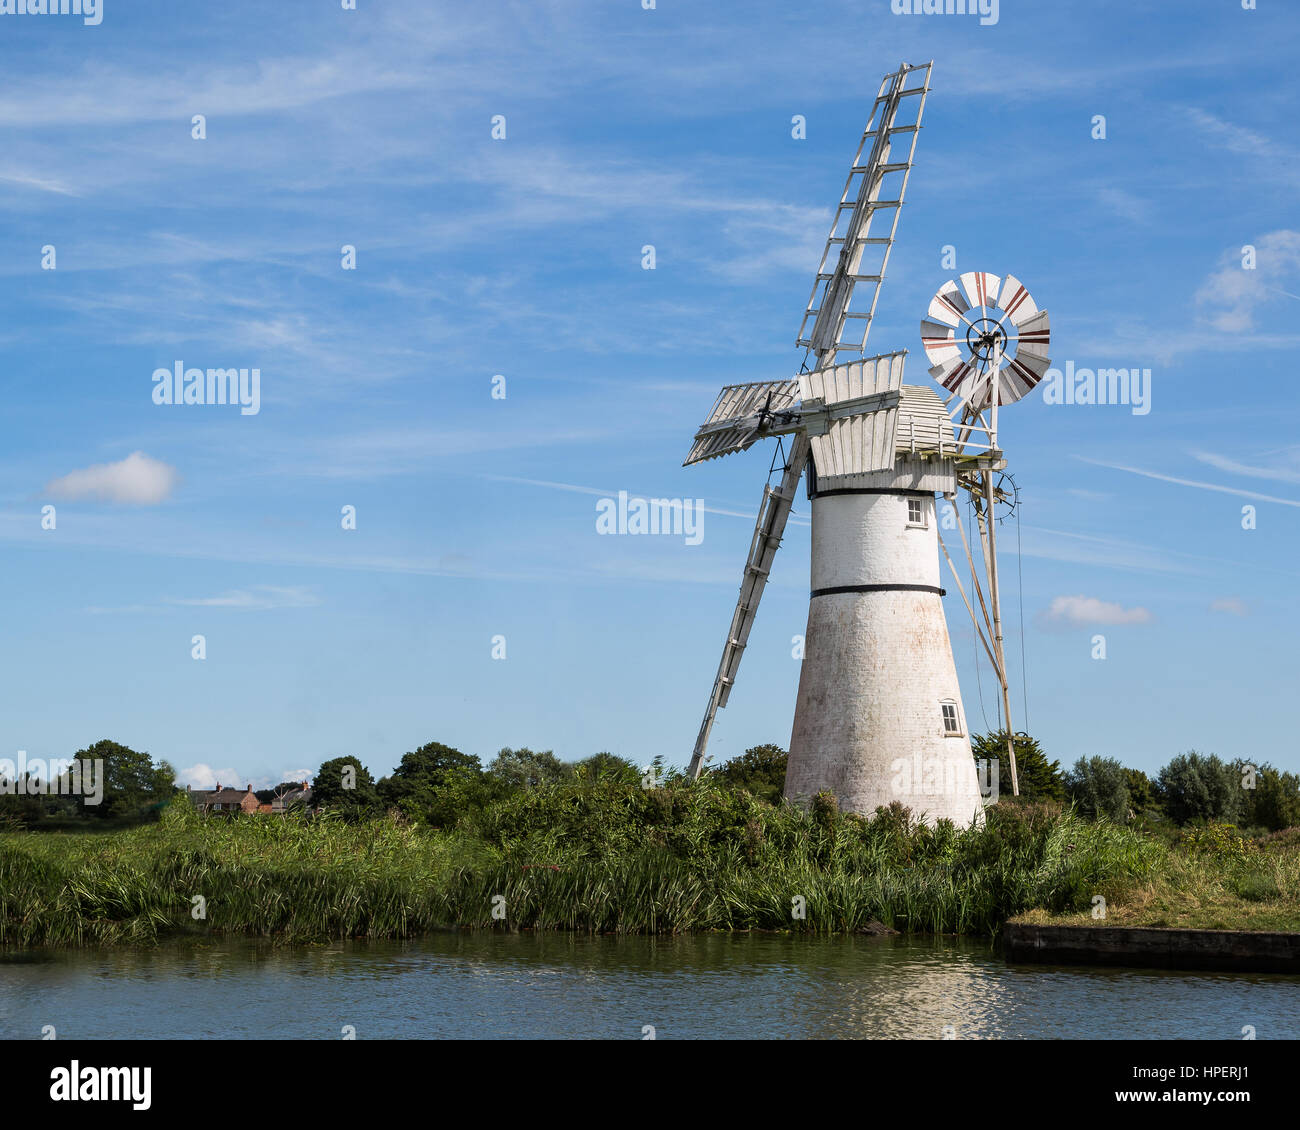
x=555 y=985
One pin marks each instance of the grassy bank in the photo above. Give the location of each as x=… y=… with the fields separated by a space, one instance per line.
x=1210 y=879
x=604 y=857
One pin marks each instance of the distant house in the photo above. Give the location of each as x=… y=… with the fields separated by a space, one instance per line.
x=223 y=800
x=297 y=797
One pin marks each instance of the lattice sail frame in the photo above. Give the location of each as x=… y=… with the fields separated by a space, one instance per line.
x=742 y=415
x=838 y=316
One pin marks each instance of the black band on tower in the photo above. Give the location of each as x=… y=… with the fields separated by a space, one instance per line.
x=878 y=588
x=874 y=490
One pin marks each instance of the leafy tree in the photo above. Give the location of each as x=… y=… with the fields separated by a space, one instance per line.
x=1099 y=787
x=132 y=783
x=526 y=769
x=1194 y=786
x=1039 y=778
x=330 y=790
x=606 y=767
x=437 y=784
x=22 y=809
x=1143 y=799
x=1274 y=802
x=760 y=770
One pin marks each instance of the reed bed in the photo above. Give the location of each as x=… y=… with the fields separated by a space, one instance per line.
x=597 y=858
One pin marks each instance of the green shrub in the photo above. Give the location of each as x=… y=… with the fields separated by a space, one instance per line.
x=1274 y=801
x=1196 y=787
x=1039 y=778
x=760 y=770
x=1098 y=786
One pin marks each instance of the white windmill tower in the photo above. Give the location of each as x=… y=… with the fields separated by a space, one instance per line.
x=878 y=715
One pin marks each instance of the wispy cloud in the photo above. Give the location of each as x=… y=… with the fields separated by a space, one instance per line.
x=1233 y=297
x=604 y=493
x=1269 y=158
x=1217 y=487
x=258 y=598
x=1232 y=605
x=99 y=94
x=1287 y=472
x=1091 y=549
x=1124 y=204
x=42 y=184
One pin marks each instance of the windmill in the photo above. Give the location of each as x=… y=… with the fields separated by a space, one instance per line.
x=878 y=716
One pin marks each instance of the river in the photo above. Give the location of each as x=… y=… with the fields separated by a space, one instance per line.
x=504 y=986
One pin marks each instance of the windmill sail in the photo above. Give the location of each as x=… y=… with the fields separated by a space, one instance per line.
x=851 y=414
x=769 y=528
x=838 y=316
x=742 y=415
x=837 y=319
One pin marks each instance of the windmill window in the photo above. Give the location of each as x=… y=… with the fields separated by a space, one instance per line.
x=951 y=725
x=915 y=513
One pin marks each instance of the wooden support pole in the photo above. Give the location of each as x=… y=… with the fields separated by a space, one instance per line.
x=997 y=628
x=974 y=622
x=974 y=576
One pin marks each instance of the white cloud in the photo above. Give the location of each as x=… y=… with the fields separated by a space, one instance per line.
x=137 y=480
x=1232 y=297
x=1233 y=605
x=1088 y=610
x=203 y=776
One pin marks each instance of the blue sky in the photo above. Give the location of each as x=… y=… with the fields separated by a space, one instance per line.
x=522 y=257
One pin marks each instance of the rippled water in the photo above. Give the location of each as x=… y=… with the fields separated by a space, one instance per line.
x=496 y=986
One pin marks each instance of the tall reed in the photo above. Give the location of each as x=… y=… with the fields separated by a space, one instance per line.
x=594 y=857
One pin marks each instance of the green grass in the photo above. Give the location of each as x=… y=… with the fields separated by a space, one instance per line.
x=601 y=857
x=1210 y=879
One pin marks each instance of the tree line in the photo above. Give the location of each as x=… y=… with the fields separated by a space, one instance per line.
x=438 y=785
x=1192 y=788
